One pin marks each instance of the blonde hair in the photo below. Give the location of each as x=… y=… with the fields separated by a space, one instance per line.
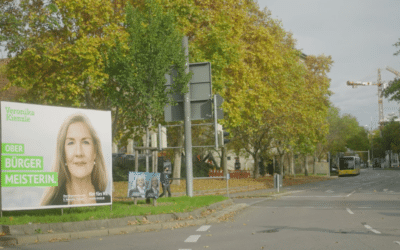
x=99 y=173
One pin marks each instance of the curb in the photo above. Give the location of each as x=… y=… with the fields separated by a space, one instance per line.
x=165 y=221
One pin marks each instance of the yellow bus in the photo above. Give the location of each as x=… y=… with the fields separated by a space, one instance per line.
x=349 y=165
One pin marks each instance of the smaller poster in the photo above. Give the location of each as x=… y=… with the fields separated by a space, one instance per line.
x=143 y=185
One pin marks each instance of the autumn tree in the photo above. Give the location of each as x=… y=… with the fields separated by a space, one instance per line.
x=58 y=46
x=85 y=54
x=137 y=67
x=393 y=91
x=391 y=137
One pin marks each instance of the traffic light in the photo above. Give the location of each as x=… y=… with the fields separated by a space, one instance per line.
x=226 y=140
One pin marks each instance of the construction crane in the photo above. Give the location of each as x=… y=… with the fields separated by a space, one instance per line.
x=380 y=92
x=397 y=73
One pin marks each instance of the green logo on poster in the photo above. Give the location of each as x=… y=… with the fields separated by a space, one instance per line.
x=12 y=148
x=10 y=162
x=29 y=179
x=18 y=115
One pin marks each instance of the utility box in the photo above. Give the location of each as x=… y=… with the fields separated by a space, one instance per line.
x=278 y=179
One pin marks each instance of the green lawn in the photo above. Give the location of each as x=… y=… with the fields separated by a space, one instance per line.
x=120 y=209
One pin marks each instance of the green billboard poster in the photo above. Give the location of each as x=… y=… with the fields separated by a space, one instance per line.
x=54 y=157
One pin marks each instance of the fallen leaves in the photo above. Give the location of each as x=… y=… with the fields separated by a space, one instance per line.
x=130 y=223
x=208 y=212
x=58 y=239
x=215 y=186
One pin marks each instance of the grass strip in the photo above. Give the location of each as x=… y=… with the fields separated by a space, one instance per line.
x=120 y=209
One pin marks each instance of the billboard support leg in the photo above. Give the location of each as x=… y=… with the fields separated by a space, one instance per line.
x=62 y=211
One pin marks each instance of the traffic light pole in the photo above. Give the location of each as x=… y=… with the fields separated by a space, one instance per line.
x=188 y=126
x=224 y=161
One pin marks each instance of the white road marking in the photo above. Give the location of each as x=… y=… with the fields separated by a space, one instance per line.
x=351 y=193
x=184 y=249
x=364 y=207
x=329 y=191
x=398 y=242
x=192 y=238
x=373 y=230
x=203 y=228
x=269 y=198
x=348 y=210
x=318 y=196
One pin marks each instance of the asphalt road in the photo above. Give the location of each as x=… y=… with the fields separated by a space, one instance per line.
x=359 y=212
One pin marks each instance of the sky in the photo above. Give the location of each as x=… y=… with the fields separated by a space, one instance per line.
x=359 y=35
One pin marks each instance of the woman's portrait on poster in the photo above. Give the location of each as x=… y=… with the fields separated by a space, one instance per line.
x=79 y=162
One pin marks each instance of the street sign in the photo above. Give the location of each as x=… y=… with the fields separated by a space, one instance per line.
x=200 y=95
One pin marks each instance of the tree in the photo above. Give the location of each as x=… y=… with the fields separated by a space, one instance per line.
x=58 y=46
x=394 y=86
x=137 y=68
x=391 y=137
x=82 y=53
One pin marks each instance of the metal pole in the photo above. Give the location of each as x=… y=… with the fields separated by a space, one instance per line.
x=188 y=126
x=147 y=145
x=369 y=159
x=215 y=122
x=224 y=160
x=277 y=181
x=136 y=160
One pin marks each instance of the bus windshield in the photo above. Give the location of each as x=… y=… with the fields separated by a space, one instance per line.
x=346 y=163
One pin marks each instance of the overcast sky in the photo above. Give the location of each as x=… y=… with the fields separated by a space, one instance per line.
x=359 y=35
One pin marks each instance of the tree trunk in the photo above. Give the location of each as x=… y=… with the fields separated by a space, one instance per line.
x=256 y=171
x=305 y=165
x=289 y=164
x=177 y=159
x=281 y=163
x=273 y=165
x=292 y=163
x=314 y=162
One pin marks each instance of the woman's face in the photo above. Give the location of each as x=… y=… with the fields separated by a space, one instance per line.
x=79 y=150
x=140 y=182
x=154 y=183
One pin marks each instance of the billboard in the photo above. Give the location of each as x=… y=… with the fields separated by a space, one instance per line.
x=143 y=185
x=54 y=157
